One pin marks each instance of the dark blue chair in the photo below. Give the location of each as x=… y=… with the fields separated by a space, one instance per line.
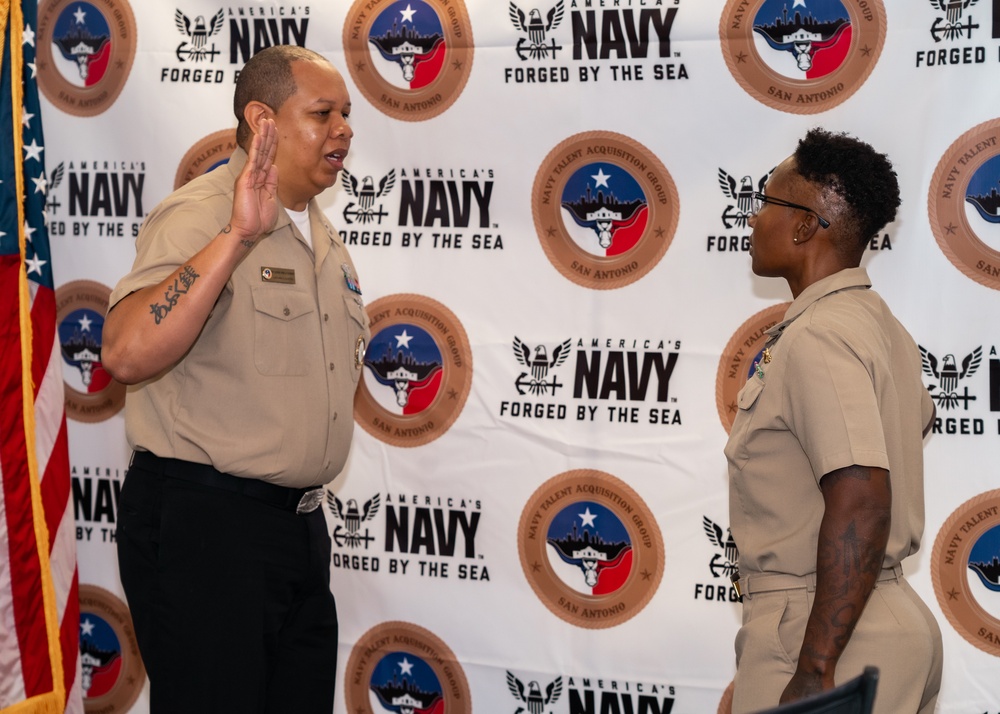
x=856 y=696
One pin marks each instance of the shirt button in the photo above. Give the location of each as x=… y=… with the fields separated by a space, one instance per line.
x=335 y=416
x=286 y=312
x=331 y=366
x=326 y=317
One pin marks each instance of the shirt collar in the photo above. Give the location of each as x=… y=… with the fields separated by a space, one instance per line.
x=842 y=280
x=237 y=160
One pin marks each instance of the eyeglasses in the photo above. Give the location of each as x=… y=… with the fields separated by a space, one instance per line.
x=758 y=200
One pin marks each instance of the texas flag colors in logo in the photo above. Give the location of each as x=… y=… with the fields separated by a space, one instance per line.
x=410 y=58
x=605 y=209
x=417 y=371
x=589 y=548
x=408 y=37
x=802 y=56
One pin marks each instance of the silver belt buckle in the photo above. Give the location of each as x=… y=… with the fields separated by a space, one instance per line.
x=310 y=501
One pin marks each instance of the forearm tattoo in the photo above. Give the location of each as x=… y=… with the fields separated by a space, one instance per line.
x=245 y=242
x=849 y=559
x=182 y=284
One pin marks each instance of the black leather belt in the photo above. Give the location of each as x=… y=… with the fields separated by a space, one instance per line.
x=299 y=500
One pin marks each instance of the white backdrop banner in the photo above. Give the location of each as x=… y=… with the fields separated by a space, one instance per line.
x=546 y=201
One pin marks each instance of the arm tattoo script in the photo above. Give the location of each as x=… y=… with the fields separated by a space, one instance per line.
x=245 y=242
x=182 y=284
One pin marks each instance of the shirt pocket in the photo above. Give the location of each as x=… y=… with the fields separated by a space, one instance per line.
x=746 y=400
x=357 y=331
x=284 y=335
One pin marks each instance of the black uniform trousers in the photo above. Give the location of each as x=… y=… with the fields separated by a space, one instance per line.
x=229 y=592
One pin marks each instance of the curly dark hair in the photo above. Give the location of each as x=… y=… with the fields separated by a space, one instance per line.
x=857 y=173
x=267 y=77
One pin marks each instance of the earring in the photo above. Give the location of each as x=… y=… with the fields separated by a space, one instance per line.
x=795 y=240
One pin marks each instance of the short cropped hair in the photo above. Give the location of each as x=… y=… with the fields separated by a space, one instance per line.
x=858 y=174
x=267 y=77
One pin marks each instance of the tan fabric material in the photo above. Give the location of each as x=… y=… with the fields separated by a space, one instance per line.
x=897 y=633
x=767 y=582
x=267 y=390
x=842 y=387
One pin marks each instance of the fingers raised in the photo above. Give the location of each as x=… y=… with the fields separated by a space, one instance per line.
x=264 y=146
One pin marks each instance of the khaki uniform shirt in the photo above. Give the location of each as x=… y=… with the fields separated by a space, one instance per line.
x=842 y=388
x=267 y=390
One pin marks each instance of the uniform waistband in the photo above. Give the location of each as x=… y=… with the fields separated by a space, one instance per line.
x=299 y=500
x=767 y=582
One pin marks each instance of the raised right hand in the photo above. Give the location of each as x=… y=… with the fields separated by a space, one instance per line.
x=255 y=202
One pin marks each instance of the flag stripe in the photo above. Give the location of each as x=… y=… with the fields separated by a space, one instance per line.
x=27 y=588
x=39 y=587
x=69 y=632
x=25 y=567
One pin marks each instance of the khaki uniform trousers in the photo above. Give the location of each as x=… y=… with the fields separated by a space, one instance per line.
x=896 y=633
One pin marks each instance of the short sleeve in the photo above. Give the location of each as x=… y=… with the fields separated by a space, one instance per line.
x=171 y=234
x=830 y=401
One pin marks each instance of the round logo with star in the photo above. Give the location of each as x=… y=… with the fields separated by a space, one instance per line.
x=417 y=371
x=92 y=395
x=590 y=548
x=207 y=154
x=965 y=571
x=401 y=667
x=963 y=203
x=802 y=56
x=112 y=673
x=605 y=209
x=736 y=365
x=410 y=58
x=85 y=53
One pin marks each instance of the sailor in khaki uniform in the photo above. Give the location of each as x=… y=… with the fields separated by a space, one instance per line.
x=242 y=331
x=825 y=454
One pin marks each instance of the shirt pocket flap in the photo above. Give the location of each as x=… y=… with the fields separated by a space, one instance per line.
x=282 y=304
x=357 y=311
x=749 y=393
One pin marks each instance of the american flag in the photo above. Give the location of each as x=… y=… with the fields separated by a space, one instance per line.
x=39 y=607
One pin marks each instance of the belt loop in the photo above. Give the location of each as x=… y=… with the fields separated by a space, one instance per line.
x=768 y=582
x=893 y=573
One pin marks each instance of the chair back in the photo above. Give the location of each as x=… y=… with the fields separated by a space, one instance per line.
x=856 y=696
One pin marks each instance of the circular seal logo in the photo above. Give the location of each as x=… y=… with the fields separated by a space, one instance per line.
x=207 y=154
x=736 y=364
x=417 y=371
x=400 y=667
x=112 y=670
x=965 y=571
x=590 y=548
x=806 y=58
x=410 y=58
x=726 y=702
x=964 y=206
x=85 y=53
x=605 y=209
x=91 y=394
